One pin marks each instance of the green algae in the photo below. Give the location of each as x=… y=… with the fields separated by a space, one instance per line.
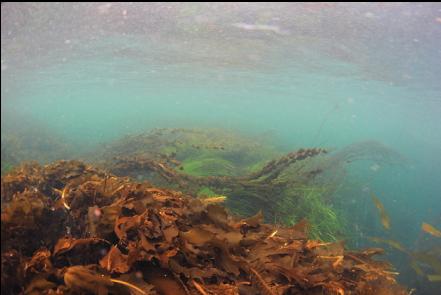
x=6 y=167
x=205 y=192
x=326 y=223
x=192 y=156
x=208 y=167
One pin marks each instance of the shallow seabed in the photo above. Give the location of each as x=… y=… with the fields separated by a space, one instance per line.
x=245 y=86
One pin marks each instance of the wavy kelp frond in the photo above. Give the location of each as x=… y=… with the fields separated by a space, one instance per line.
x=268 y=173
x=315 y=171
x=274 y=168
x=136 y=165
x=330 y=168
x=322 y=177
x=165 y=242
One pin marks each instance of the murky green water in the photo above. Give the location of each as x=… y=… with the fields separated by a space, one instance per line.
x=324 y=75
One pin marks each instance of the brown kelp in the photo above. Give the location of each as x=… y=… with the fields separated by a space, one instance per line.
x=384 y=217
x=425 y=263
x=431 y=230
x=121 y=237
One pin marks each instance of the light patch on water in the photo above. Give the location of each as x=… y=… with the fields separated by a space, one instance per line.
x=375 y=167
x=261 y=27
x=4 y=66
x=104 y=8
x=369 y=15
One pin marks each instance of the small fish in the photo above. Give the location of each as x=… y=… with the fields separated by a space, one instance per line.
x=385 y=220
x=430 y=229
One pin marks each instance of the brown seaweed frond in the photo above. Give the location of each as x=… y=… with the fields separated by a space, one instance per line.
x=199 y=287
x=260 y=282
x=159 y=240
x=132 y=286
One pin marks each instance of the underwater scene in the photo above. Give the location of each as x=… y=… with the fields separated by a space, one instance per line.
x=220 y=148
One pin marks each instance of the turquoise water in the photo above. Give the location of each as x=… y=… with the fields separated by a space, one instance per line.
x=323 y=76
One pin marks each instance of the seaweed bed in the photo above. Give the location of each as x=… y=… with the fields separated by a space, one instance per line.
x=251 y=173
x=69 y=228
